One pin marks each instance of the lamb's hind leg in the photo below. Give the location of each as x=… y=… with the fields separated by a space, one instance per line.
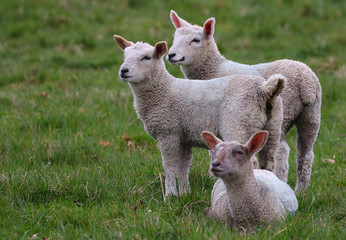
x=184 y=169
x=268 y=154
x=308 y=124
x=281 y=164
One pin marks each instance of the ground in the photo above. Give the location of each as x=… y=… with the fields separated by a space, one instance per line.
x=76 y=163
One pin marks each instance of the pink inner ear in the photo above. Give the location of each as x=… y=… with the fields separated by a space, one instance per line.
x=257 y=142
x=175 y=20
x=160 y=49
x=121 y=44
x=208 y=27
x=210 y=140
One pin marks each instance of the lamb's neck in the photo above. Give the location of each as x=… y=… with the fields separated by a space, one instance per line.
x=206 y=67
x=151 y=91
x=154 y=84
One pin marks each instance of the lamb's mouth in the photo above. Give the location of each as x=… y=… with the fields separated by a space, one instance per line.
x=175 y=61
x=217 y=172
x=124 y=78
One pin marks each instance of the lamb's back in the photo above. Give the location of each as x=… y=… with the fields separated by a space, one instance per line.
x=233 y=68
x=270 y=183
x=197 y=106
x=302 y=82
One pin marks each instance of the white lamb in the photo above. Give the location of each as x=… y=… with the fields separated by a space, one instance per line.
x=195 y=50
x=176 y=111
x=243 y=197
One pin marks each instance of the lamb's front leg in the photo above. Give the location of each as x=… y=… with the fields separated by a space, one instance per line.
x=184 y=169
x=170 y=152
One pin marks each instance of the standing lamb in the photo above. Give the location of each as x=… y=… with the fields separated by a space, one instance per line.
x=175 y=111
x=195 y=50
x=243 y=197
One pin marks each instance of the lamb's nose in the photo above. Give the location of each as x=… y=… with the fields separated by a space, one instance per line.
x=124 y=70
x=215 y=163
x=171 y=55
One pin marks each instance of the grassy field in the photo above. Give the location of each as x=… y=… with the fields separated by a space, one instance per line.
x=76 y=163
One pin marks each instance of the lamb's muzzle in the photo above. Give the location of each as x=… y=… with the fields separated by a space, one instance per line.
x=123 y=73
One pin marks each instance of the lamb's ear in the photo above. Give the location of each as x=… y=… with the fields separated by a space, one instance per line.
x=122 y=42
x=160 y=49
x=177 y=21
x=274 y=85
x=210 y=140
x=208 y=28
x=256 y=142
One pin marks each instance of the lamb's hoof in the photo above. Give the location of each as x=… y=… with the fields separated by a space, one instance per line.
x=171 y=194
x=300 y=190
x=184 y=191
x=301 y=187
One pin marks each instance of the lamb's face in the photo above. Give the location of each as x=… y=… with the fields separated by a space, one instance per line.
x=230 y=160
x=138 y=61
x=188 y=44
x=190 y=41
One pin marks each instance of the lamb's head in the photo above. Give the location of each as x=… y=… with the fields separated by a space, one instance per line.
x=190 y=41
x=140 y=59
x=231 y=160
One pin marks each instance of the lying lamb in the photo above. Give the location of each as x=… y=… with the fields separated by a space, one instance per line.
x=195 y=50
x=243 y=197
x=176 y=111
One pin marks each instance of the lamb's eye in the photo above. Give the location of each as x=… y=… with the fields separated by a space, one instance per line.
x=196 y=40
x=240 y=152
x=146 y=58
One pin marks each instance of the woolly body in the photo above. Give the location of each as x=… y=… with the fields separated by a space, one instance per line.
x=280 y=197
x=243 y=196
x=301 y=98
x=175 y=111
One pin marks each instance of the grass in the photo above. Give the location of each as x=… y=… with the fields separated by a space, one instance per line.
x=76 y=163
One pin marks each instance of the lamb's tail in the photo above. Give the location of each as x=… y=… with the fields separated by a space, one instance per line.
x=273 y=86
x=310 y=88
x=271 y=90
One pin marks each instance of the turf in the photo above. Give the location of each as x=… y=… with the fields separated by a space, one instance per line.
x=76 y=163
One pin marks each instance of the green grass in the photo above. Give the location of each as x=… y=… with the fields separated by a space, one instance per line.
x=60 y=95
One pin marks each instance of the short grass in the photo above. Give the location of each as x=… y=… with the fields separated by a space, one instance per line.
x=76 y=163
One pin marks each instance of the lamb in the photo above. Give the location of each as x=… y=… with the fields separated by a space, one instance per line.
x=195 y=50
x=242 y=196
x=175 y=111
